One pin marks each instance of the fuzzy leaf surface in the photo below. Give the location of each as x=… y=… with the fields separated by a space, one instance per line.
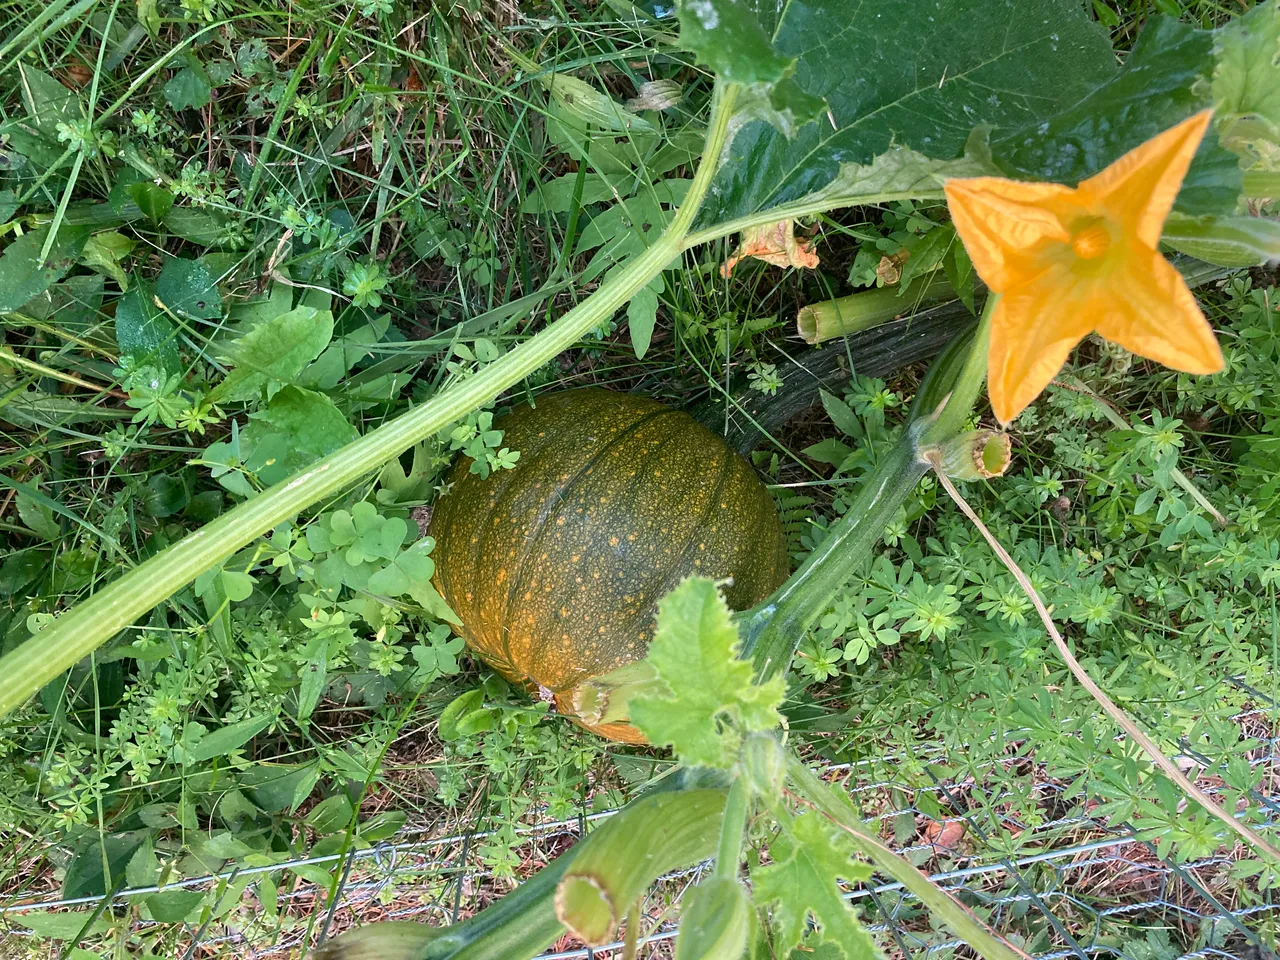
x=185 y=286
x=728 y=37
x=1246 y=85
x=1164 y=80
x=144 y=333
x=802 y=879
x=694 y=652
x=23 y=277
x=905 y=75
x=273 y=353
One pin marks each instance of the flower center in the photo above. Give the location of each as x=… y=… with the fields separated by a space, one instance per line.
x=1091 y=242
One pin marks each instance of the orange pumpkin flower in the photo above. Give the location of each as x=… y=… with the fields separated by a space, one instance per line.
x=1067 y=262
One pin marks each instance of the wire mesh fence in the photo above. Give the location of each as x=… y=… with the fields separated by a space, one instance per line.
x=1069 y=886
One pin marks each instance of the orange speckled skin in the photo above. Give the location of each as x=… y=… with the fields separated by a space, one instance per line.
x=556 y=567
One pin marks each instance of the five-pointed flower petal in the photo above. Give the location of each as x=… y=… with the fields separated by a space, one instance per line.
x=1067 y=262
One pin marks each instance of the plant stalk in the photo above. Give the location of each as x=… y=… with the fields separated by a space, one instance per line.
x=523 y=923
x=968 y=384
x=772 y=630
x=732 y=830
x=819 y=322
x=88 y=625
x=621 y=859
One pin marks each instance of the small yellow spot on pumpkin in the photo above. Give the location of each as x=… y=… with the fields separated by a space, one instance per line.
x=559 y=521
x=613 y=541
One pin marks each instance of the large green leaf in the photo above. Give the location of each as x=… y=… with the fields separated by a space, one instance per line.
x=1246 y=85
x=272 y=354
x=231 y=737
x=312 y=424
x=297 y=428
x=186 y=287
x=23 y=277
x=63 y=926
x=729 y=38
x=279 y=787
x=898 y=73
x=702 y=681
x=48 y=102
x=174 y=906
x=809 y=860
x=144 y=333
x=99 y=861
x=190 y=88
x=1164 y=80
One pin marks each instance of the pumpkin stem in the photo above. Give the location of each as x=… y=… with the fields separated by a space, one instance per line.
x=607 y=698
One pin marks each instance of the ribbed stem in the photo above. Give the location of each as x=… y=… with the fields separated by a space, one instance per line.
x=732 y=830
x=772 y=630
x=819 y=322
x=967 y=386
x=618 y=862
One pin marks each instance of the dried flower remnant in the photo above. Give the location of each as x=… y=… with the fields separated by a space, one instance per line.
x=773 y=243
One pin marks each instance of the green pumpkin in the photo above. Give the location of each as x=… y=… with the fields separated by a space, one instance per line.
x=555 y=568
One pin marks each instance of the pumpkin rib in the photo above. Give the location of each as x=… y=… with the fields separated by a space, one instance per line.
x=548 y=534
x=656 y=586
x=539 y=450
x=758 y=573
x=678 y=571
x=555 y=501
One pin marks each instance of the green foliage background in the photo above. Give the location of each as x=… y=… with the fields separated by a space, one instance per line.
x=238 y=238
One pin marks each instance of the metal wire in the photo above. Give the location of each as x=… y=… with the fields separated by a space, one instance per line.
x=1091 y=891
